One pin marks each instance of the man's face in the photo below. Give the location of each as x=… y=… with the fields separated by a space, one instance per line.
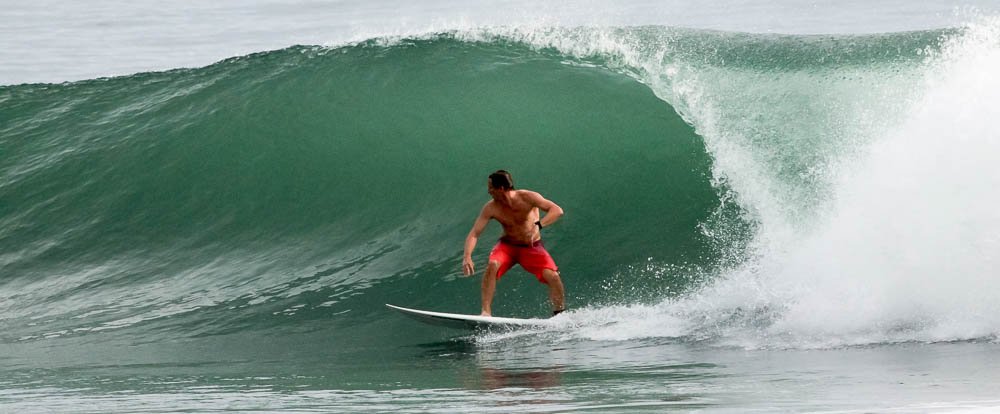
x=494 y=192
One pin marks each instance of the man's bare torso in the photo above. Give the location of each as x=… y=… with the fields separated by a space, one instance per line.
x=517 y=218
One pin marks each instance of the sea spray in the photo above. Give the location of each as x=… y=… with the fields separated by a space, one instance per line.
x=873 y=220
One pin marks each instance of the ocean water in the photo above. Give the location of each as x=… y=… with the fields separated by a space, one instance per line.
x=770 y=207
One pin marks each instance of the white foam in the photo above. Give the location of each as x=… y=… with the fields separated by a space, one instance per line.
x=911 y=240
x=903 y=245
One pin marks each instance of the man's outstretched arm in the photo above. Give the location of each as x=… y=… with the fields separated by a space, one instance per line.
x=468 y=267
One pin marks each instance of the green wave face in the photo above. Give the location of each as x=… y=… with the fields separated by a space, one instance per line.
x=321 y=172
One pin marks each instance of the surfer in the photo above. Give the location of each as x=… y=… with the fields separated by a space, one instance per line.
x=518 y=213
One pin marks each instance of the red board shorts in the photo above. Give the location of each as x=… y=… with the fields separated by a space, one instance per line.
x=533 y=258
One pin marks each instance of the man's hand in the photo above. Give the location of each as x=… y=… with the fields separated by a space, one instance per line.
x=468 y=268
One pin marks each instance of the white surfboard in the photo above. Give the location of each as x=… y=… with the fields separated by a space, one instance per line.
x=459 y=321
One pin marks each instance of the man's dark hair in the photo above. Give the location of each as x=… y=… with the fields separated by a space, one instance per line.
x=502 y=180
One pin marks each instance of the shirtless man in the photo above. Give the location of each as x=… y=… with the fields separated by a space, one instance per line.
x=517 y=212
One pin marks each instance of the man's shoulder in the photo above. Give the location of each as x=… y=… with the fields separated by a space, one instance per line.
x=489 y=207
x=529 y=195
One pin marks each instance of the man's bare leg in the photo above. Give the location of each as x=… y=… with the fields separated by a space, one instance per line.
x=556 y=294
x=489 y=287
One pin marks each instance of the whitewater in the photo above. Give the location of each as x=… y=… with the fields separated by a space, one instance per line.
x=776 y=207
